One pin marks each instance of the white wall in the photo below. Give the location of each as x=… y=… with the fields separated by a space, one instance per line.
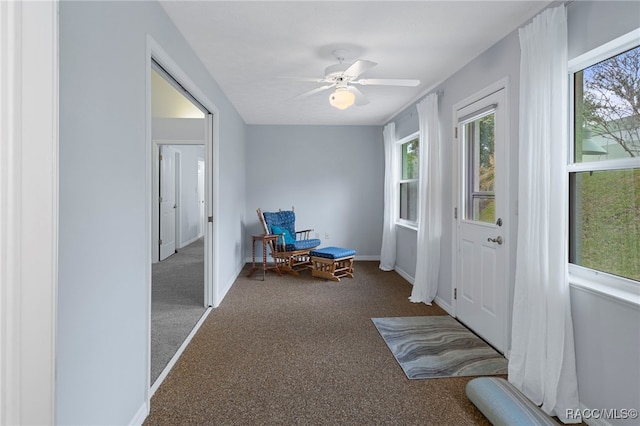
x=103 y=295
x=189 y=204
x=178 y=129
x=332 y=175
x=607 y=333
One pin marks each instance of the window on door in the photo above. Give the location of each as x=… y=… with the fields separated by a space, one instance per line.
x=604 y=173
x=479 y=140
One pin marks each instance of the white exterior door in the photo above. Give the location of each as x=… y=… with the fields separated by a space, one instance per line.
x=167 y=202
x=480 y=290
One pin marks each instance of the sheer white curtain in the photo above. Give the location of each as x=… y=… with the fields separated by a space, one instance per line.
x=542 y=361
x=388 y=252
x=425 y=285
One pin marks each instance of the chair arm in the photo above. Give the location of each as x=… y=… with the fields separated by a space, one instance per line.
x=279 y=240
x=305 y=234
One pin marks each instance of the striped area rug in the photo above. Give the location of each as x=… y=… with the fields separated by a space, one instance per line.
x=438 y=346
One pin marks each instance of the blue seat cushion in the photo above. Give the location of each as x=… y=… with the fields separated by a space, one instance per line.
x=504 y=405
x=301 y=245
x=332 y=252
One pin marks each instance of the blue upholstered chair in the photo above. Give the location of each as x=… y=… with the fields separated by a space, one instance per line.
x=291 y=253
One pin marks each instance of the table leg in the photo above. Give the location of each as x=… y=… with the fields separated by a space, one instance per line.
x=253 y=257
x=264 y=259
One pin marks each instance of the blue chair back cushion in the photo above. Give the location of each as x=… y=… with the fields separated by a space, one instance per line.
x=286 y=220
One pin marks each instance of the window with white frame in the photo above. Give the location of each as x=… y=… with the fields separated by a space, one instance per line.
x=408 y=180
x=604 y=170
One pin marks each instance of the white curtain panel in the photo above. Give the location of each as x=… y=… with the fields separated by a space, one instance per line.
x=542 y=360
x=425 y=284
x=388 y=251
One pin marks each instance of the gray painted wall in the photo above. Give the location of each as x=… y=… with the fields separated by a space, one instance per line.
x=606 y=331
x=332 y=175
x=103 y=297
x=500 y=61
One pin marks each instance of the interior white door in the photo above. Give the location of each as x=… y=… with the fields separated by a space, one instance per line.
x=481 y=254
x=167 y=201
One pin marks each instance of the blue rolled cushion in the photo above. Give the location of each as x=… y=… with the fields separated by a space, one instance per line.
x=288 y=239
x=332 y=252
x=504 y=405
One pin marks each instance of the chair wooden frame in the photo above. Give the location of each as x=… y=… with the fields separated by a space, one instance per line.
x=293 y=261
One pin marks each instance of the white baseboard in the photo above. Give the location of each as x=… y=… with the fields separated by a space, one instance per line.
x=176 y=356
x=592 y=421
x=368 y=258
x=140 y=416
x=444 y=305
x=404 y=275
x=224 y=290
x=186 y=243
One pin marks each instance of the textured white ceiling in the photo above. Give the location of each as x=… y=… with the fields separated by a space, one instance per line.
x=249 y=46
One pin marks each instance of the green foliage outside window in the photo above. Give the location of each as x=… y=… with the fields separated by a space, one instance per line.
x=605 y=204
x=409 y=186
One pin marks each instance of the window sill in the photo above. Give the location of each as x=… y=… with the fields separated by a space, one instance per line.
x=626 y=292
x=408 y=225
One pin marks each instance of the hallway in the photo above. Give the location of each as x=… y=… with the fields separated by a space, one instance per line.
x=177 y=302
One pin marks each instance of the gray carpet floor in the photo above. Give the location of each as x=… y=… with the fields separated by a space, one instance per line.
x=304 y=351
x=177 y=302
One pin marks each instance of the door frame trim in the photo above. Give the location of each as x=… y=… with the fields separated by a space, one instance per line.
x=29 y=197
x=502 y=84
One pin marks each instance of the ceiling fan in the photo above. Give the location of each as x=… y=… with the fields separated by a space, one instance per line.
x=344 y=77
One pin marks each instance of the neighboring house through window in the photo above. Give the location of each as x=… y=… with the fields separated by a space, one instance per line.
x=604 y=169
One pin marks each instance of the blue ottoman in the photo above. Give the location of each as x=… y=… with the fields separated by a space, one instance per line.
x=332 y=263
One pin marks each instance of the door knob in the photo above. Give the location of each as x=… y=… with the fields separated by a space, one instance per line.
x=498 y=240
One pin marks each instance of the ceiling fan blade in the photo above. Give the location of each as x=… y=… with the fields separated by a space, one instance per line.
x=387 y=82
x=303 y=79
x=358 y=67
x=314 y=91
x=361 y=99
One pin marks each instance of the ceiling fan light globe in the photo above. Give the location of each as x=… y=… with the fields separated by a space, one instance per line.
x=342 y=99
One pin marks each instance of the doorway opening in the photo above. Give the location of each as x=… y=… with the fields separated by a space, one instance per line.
x=181 y=143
